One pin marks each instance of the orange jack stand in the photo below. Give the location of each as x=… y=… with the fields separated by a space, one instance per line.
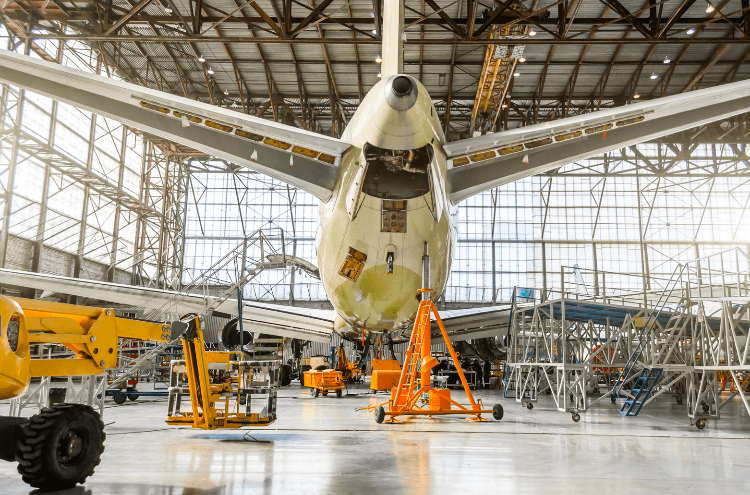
x=414 y=382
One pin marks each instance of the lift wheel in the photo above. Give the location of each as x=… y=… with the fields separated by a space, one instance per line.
x=61 y=446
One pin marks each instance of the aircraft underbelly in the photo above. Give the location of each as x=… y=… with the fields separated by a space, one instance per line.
x=378 y=300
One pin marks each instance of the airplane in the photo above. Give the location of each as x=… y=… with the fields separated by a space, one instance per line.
x=389 y=185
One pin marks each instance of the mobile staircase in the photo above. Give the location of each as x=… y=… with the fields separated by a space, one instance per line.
x=650 y=373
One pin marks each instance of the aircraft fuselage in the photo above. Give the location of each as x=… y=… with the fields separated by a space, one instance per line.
x=373 y=229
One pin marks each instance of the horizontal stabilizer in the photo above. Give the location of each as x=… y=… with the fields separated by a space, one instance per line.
x=301 y=158
x=483 y=162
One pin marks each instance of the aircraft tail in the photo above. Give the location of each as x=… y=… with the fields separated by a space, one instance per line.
x=393 y=38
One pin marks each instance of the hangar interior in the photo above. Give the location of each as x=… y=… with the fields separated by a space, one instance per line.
x=612 y=238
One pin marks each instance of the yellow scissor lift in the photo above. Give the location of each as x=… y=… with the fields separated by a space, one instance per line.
x=61 y=446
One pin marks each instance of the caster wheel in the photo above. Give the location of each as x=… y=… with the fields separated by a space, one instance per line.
x=132 y=396
x=705 y=408
x=497 y=412
x=700 y=424
x=60 y=447
x=379 y=414
x=679 y=400
x=120 y=398
x=338 y=393
x=529 y=406
x=613 y=399
x=575 y=417
x=316 y=393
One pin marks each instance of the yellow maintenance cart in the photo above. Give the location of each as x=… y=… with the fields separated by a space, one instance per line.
x=385 y=374
x=324 y=381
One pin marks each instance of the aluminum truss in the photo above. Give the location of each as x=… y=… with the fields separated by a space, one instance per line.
x=718 y=288
x=681 y=336
x=569 y=346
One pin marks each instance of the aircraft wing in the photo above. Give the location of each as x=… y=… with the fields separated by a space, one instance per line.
x=480 y=163
x=284 y=321
x=304 y=159
x=473 y=323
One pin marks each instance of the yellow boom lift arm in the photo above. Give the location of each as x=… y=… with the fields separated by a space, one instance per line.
x=59 y=447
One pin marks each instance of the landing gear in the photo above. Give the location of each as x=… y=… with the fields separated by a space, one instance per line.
x=61 y=446
x=700 y=424
x=285 y=377
x=575 y=417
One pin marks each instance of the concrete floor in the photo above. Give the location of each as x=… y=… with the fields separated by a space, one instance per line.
x=324 y=446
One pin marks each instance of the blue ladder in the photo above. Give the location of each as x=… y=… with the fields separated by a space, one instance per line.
x=641 y=391
x=645 y=334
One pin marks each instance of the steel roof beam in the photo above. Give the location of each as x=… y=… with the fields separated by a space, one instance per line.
x=628 y=16
x=371 y=41
x=124 y=19
x=498 y=19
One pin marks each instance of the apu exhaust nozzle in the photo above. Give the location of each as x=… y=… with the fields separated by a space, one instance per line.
x=400 y=92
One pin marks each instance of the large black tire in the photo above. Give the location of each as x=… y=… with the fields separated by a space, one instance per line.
x=285 y=377
x=488 y=349
x=61 y=446
x=482 y=349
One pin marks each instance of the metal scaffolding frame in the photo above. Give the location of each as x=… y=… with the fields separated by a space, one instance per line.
x=686 y=336
x=135 y=228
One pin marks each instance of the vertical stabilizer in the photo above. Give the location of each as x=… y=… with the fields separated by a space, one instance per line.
x=393 y=38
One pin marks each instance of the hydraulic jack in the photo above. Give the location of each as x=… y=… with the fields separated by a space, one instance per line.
x=414 y=383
